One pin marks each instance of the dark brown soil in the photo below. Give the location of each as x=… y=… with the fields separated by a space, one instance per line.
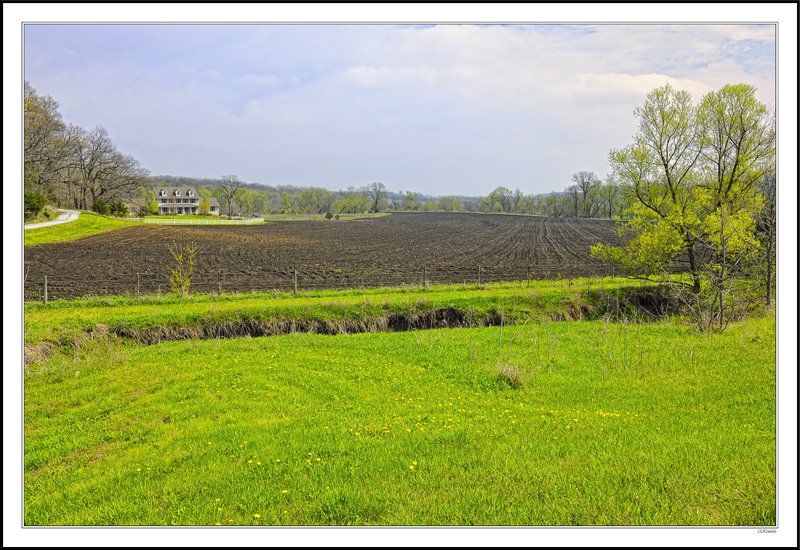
x=404 y=248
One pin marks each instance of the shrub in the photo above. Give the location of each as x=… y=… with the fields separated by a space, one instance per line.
x=118 y=208
x=336 y=216
x=100 y=207
x=34 y=203
x=329 y=216
x=181 y=274
x=223 y=216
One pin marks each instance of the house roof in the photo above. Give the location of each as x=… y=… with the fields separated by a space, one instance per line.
x=184 y=189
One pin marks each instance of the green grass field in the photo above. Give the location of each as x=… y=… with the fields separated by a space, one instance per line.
x=539 y=423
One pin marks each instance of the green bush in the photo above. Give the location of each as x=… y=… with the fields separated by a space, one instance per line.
x=118 y=208
x=100 y=207
x=328 y=216
x=34 y=203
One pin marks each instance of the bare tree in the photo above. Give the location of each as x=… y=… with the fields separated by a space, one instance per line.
x=588 y=184
x=227 y=189
x=765 y=255
x=573 y=192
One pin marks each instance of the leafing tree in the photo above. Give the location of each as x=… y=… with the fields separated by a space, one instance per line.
x=376 y=191
x=150 y=204
x=203 y=207
x=690 y=175
x=500 y=199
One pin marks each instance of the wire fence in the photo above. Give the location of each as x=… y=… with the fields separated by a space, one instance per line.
x=52 y=286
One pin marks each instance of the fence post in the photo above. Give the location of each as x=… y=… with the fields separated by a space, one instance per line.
x=137 y=286
x=219 y=281
x=479 y=275
x=45 y=290
x=295 y=281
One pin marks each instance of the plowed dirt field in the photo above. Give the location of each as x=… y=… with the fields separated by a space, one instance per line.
x=404 y=248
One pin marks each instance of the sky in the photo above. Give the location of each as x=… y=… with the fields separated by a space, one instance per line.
x=438 y=109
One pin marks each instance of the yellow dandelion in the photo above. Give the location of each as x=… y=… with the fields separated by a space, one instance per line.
x=217 y=500
x=256 y=516
x=249 y=461
x=284 y=491
x=414 y=463
x=258 y=463
x=138 y=469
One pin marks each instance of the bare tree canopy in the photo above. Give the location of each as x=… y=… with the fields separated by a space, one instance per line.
x=70 y=165
x=227 y=189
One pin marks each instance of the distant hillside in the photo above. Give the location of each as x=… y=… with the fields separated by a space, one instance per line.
x=292 y=190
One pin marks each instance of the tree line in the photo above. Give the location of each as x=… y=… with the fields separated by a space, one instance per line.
x=67 y=165
x=589 y=197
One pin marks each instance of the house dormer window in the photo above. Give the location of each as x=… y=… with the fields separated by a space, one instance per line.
x=163 y=192
x=190 y=193
x=177 y=193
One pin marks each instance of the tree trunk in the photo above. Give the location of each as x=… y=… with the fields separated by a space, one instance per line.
x=693 y=269
x=769 y=271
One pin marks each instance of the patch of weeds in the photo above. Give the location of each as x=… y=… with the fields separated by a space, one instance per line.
x=511 y=375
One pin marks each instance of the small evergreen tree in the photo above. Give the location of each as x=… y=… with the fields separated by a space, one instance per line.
x=34 y=203
x=100 y=207
x=118 y=208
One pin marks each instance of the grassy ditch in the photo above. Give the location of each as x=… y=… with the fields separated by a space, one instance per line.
x=546 y=423
x=155 y=319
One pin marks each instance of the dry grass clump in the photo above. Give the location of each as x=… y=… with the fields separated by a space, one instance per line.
x=511 y=375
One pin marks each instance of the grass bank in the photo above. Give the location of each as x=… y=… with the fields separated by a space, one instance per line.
x=153 y=319
x=86 y=224
x=550 y=423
